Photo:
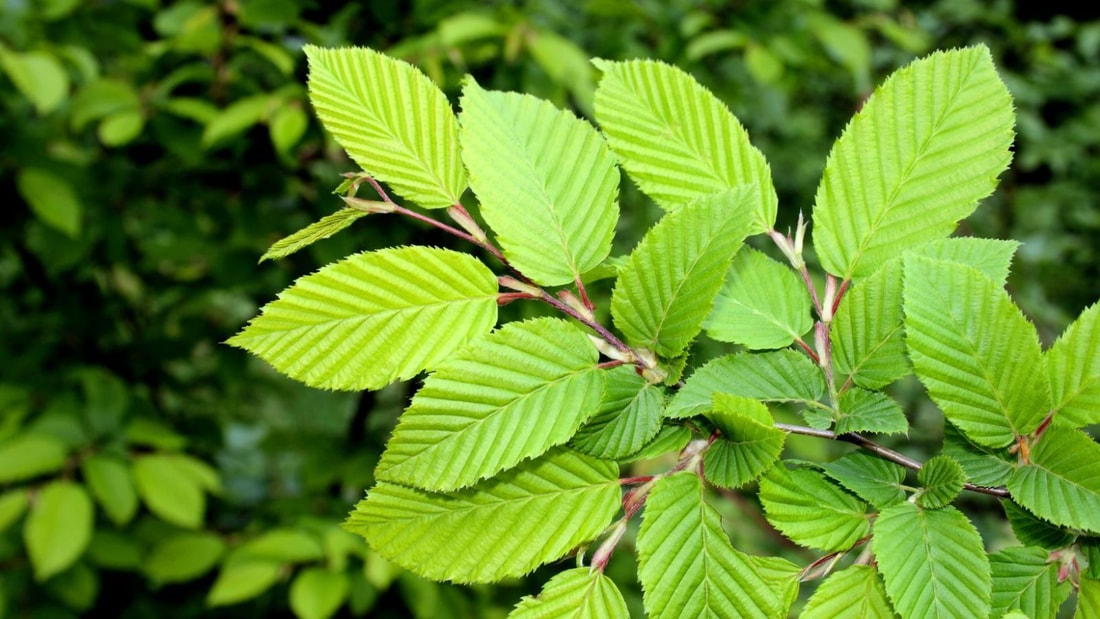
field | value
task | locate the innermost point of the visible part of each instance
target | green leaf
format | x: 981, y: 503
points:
x: 1061, y: 483
x: 992, y: 257
x: 170, y: 490
x: 749, y: 444
x: 12, y: 505
x: 917, y: 158
x: 113, y: 550
x: 782, y: 576
x: 982, y: 466
x: 932, y: 561
x: 780, y: 376
x: 239, y: 581
x: 183, y: 556
x: 1073, y: 364
x: 121, y: 128
x: 977, y: 355
x: 668, y: 285
x: 111, y: 484
x: 102, y: 98
x: 762, y: 304
x: 58, y: 527
x: 237, y: 118
x: 392, y: 120
x: 322, y: 229
x: 374, y: 318
x: 1032, y: 531
x: 686, y: 564
x: 860, y: 410
x: 579, y: 593
x: 484, y: 533
x: 877, y: 481
x: 943, y: 479
x: 284, y: 546
x: 77, y: 587
x: 38, y: 75
x: 547, y: 182
x: 52, y: 199
x: 669, y: 440
x: 1088, y: 599
x: 867, y: 330
x: 1026, y: 579
x: 507, y: 397
x: 677, y: 140
x: 29, y: 455
x: 628, y: 418
x: 287, y: 125
x: 318, y: 593
x: 811, y: 510
x: 855, y: 592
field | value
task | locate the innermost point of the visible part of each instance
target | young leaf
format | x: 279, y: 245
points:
x: 58, y: 528
x: 867, y: 330
x: 317, y: 593
x: 391, y: 119
x: 1025, y: 579
x: 762, y: 304
x: 507, y: 397
x: 1033, y: 531
x: 749, y: 444
x: 579, y: 593
x: 374, y: 317
x: 932, y: 561
x: 322, y: 229
x: 869, y: 411
x: 686, y: 564
x: 875, y: 480
x: 546, y: 181
x: 992, y: 257
x: 943, y: 480
x: 855, y: 593
x: 676, y: 139
x: 917, y: 158
x: 1073, y: 364
x: 668, y: 285
x: 982, y: 466
x: 484, y: 533
x: 112, y: 485
x: 974, y: 351
x: 1061, y: 483
x: 782, y: 576
x: 811, y: 510
x: 629, y: 416
x: 780, y: 376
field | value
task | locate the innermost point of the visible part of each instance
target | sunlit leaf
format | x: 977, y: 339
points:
x: 579, y: 593
x: 1061, y: 483
x: 780, y: 376
x: 762, y: 304
x: 321, y: 229
x: 811, y: 510
x: 1026, y: 579
x: 58, y: 528
x: 852, y: 593
x: 629, y: 416
x: 1073, y: 364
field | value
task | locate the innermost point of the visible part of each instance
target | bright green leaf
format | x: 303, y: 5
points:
x: 170, y: 490
x: 877, y: 481
x: 943, y: 479
x: 852, y: 593
x: 782, y: 576
x: 239, y: 581
x: 182, y: 557
x: 762, y: 304
x: 286, y: 126
x: 321, y: 229
x: 318, y: 593
x: 982, y: 466
x: 920, y: 154
x: 1061, y: 483
x: 992, y: 257
x: 668, y: 285
x: 933, y: 562
x: 392, y: 120
x: 484, y: 533
x: 111, y: 484
x: 579, y: 593
x: 29, y: 455
x: 375, y: 317
x: 1031, y: 530
x: 1088, y: 599
x: 811, y: 510
x: 860, y: 410
x: 629, y: 416
x: 1025, y: 579
x: 58, y: 527
x: 780, y: 376
x: 121, y: 128
x: 867, y: 330
x: 237, y: 118
x: 749, y: 444
x: 670, y: 439
x: 38, y: 75
x: 12, y: 505
x: 1073, y: 364
x: 52, y: 199
x: 284, y: 546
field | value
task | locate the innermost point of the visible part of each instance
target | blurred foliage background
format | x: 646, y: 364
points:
x: 151, y: 150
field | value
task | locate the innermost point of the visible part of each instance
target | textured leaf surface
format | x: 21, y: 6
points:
x: 391, y: 119
x: 992, y: 257
x: 58, y: 528
x: 855, y: 593
x: 669, y: 439
x: 578, y: 593
x: 780, y: 376
x: 507, y: 397
x: 1088, y: 599
x: 870, y: 411
x: 321, y: 229
x: 676, y: 139
x: 920, y: 154
x: 629, y: 416
x: 982, y: 466
x: 1031, y: 530
x: 1073, y: 364
x: 668, y: 285
x: 762, y: 304
x: 932, y: 562
x: 374, y: 318
x: 484, y: 533
x: 749, y: 445
x: 1024, y: 579
x: 546, y: 181
x: 974, y: 351
x: 1062, y: 482
x: 811, y: 510
x: 686, y: 564
x: 942, y: 479
x: 782, y: 576
x: 875, y: 480
x: 867, y: 330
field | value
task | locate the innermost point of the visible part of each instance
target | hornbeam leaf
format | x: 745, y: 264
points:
x: 749, y: 445
x: 1073, y: 364
x: 853, y: 593
x: 507, y: 397
x: 782, y: 576
x: 933, y: 562
x: 982, y: 465
x: 869, y: 411
x: 811, y: 510
x: 992, y: 257
x: 58, y: 528
x: 375, y: 317
x: 1061, y: 483
x: 321, y: 229
x: 686, y: 564
x: 670, y: 439
x: 488, y: 532
x: 943, y: 479
x: 1031, y: 530
x: 546, y: 181
x: 974, y: 351
x: 867, y: 330
x: 579, y: 593
x: 629, y: 416
x: 917, y: 158
x: 875, y: 480
x: 762, y: 304
x: 1026, y: 579
x: 676, y: 139
x: 391, y: 119
x: 668, y: 285
x: 780, y: 376
x: 1088, y: 599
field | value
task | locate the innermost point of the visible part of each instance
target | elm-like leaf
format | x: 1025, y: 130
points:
x: 1061, y: 483
x: 762, y: 304
x: 1073, y: 364
x: 1031, y: 530
x: 749, y: 445
x: 779, y: 376
x: 877, y: 481
x: 628, y: 418
x: 853, y: 593
x: 319, y: 230
x: 942, y: 479
x: 1026, y: 579
x: 579, y: 593
x: 811, y: 510
x: 860, y: 410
